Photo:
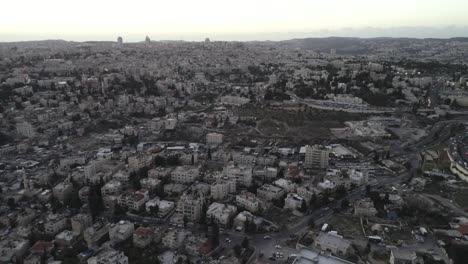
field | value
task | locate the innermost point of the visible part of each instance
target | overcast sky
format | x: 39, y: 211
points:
x: 243, y: 19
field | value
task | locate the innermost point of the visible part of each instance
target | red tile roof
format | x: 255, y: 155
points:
x: 463, y: 229
x: 144, y: 231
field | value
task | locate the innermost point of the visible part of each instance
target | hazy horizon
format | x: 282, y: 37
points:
x: 368, y: 32
x: 241, y: 20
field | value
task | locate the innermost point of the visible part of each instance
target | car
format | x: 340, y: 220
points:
x: 229, y: 241
x: 272, y: 258
x: 278, y: 246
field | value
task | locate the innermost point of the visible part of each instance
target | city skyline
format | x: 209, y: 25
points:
x: 259, y: 20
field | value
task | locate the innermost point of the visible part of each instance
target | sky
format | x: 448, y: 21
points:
x: 228, y: 20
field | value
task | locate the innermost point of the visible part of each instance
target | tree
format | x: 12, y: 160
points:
x: 325, y: 197
x: 245, y: 243
x: 340, y: 191
x: 209, y: 154
x: 154, y: 210
x: 368, y: 190
x: 72, y: 200
x: 303, y: 206
x: 96, y: 204
x: 11, y: 203
x: 313, y: 200
x: 253, y: 187
x: 185, y: 220
x: 215, y: 234
x: 387, y: 198
x: 159, y: 161
x: 135, y: 181
x: 376, y: 156
x: 173, y: 160
x: 237, y: 250
x: 250, y: 227
x: 311, y: 223
x: 344, y: 203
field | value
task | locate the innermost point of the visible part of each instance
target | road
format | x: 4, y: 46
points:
x: 319, y: 216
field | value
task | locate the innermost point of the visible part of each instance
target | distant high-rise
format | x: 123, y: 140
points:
x: 333, y: 52
x: 207, y: 40
x: 316, y: 157
x: 147, y: 41
x: 120, y: 42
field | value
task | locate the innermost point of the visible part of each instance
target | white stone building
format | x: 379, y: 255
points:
x: 121, y: 231
x: 242, y: 174
x: 248, y: 201
x: 222, y: 187
x: 221, y: 213
x: 293, y: 201
x: 214, y: 138
x: 270, y: 192
x: 185, y: 174
x: 316, y: 157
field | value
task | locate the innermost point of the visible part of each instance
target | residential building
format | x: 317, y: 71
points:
x: 293, y: 201
x: 185, y: 174
x: 248, y: 201
x: 170, y: 123
x: 214, y: 138
x: 133, y: 200
x: 190, y: 205
x: 121, y: 176
x: 80, y: 222
x: 333, y: 243
x: 221, y: 213
x: 121, y: 231
x: 174, y: 238
x: 242, y: 174
x: 222, y: 187
x: 316, y: 157
x: 364, y: 207
x: 270, y: 192
x: 54, y: 223
x: 25, y: 129
x: 96, y: 234
x: 13, y: 250
x: 306, y: 192
x: 83, y: 194
x: 403, y: 256
x: 111, y: 188
x: 109, y: 257
x: 164, y: 207
x: 287, y: 185
x: 66, y: 239
x: 62, y: 190
x: 243, y: 159
x: 150, y: 183
x: 143, y: 236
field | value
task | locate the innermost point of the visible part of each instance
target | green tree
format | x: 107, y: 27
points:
x: 135, y: 181
x: 237, y: 250
x: 344, y: 203
x: 159, y: 161
x: 245, y: 243
x: 96, y: 204
x: 154, y: 210
x: 11, y: 203
x: 303, y: 206
x: 215, y: 234
x: 72, y: 200
x: 209, y: 154
x: 185, y: 220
